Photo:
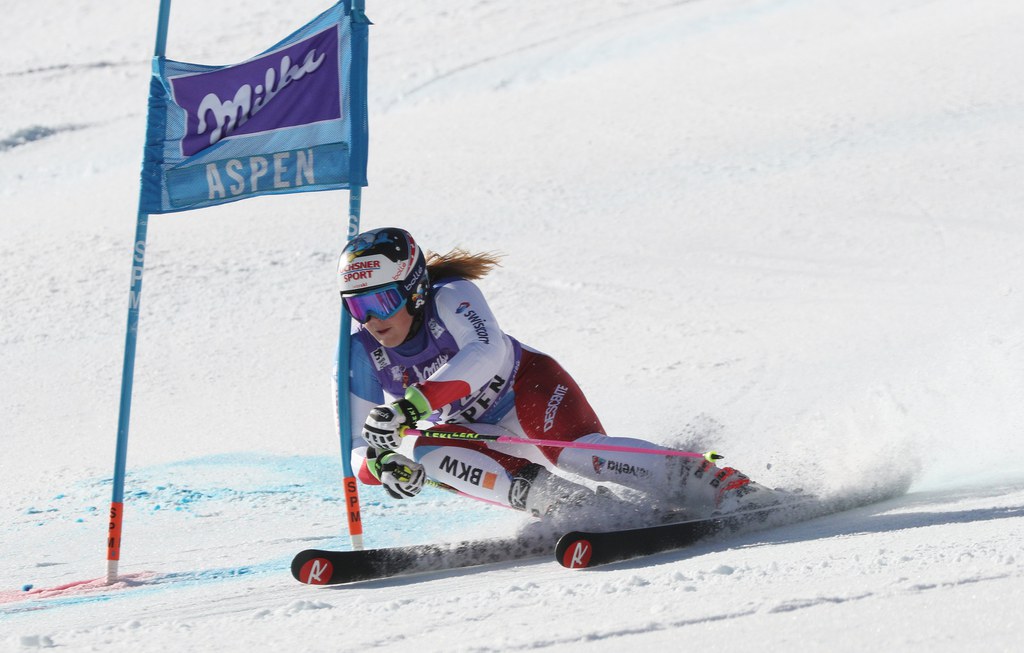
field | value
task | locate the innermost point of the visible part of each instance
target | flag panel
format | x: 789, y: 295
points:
x: 291, y: 119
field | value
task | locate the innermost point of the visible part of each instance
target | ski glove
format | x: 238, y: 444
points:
x: 382, y: 429
x: 400, y: 476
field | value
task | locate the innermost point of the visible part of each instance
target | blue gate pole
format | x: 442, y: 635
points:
x: 341, y: 365
x: 341, y: 384
x: 131, y: 337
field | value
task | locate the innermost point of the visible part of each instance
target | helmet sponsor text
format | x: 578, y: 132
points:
x: 358, y: 270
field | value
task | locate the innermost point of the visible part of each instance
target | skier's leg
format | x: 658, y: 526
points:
x: 483, y: 473
x: 550, y: 405
x: 689, y: 483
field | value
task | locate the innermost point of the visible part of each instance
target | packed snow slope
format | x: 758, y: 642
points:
x: 786, y: 229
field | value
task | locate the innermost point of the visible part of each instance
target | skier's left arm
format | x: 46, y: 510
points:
x: 483, y: 352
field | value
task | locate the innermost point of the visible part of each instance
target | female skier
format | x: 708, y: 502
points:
x: 429, y: 348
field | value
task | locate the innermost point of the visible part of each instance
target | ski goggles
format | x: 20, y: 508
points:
x: 380, y: 303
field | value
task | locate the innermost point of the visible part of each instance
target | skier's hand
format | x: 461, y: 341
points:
x: 400, y: 476
x: 381, y: 429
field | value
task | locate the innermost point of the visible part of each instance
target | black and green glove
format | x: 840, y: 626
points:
x: 400, y: 476
x: 383, y: 426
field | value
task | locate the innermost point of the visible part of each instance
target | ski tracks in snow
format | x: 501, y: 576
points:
x: 61, y: 118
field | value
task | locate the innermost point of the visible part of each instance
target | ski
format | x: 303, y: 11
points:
x: 577, y: 549
x: 320, y: 567
x: 580, y: 549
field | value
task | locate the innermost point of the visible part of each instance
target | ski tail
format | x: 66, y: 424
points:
x: 322, y: 567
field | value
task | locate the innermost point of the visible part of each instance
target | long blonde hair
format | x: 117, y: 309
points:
x: 460, y: 263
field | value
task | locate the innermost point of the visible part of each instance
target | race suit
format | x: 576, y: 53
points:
x: 478, y: 378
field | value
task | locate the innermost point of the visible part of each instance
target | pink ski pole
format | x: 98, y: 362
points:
x: 508, y: 439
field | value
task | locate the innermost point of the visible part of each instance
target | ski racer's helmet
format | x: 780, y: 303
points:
x: 381, y: 271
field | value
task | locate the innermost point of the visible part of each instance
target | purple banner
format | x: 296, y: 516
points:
x: 296, y: 85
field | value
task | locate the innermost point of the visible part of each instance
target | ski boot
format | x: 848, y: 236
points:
x: 561, y: 503
x: 702, y: 488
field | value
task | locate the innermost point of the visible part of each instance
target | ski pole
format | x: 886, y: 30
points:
x: 448, y: 488
x: 710, y: 456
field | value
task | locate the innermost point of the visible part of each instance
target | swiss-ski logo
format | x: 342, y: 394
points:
x: 316, y: 572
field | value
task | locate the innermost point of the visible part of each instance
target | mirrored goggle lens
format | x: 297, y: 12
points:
x: 381, y: 303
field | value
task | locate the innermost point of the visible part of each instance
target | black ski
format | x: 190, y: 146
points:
x: 574, y: 550
x: 318, y: 567
x: 580, y: 549
x: 591, y: 548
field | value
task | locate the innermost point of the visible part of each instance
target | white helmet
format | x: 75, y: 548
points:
x: 380, y: 271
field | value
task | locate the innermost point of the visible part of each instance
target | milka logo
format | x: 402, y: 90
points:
x: 422, y: 373
x: 228, y: 115
x: 295, y: 85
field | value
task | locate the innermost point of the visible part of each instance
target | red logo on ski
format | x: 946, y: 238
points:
x: 316, y: 572
x: 577, y: 555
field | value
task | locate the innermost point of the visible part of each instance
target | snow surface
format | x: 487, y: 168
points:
x: 791, y: 229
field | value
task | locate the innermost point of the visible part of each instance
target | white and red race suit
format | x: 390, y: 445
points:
x: 478, y: 378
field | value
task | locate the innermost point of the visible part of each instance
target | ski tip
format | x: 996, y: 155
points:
x: 574, y: 551
x: 313, y: 570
